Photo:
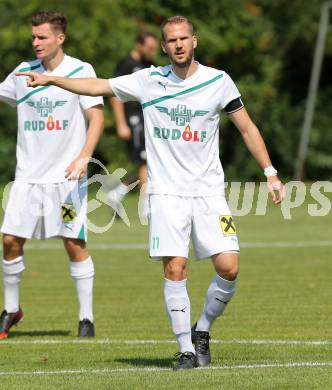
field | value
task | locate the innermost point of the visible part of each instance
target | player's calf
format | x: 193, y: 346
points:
x: 82, y: 273
x: 177, y: 305
x: 219, y: 294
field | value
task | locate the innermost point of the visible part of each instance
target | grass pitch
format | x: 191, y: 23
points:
x: 275, y: 334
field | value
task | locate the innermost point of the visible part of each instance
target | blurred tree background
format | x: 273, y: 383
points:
x: 266, y: 46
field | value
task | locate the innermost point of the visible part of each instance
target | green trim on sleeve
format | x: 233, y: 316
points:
x: 195, y: 88
x: 45, y: 86
x: 29, y: 68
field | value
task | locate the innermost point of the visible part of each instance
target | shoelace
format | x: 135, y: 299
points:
x: 183, y: 355
x: 203, y: 344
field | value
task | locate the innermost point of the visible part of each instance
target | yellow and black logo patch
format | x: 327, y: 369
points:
x: 68, y: 212
x: 227, y: 225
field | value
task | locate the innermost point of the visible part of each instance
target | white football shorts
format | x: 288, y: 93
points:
x: 46, y: 210
x: 207, y: 220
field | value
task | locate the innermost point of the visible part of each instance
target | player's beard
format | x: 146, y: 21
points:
x: 187, y: 62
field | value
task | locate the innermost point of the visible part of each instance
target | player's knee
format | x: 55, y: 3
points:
x: 12, y: 244
x: 175, y: 271
x: 73, y: 243
x: 76, y: 249
x: 230, y: 273
x: 227, y: 266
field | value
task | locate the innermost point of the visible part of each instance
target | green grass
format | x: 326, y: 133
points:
x: 283, y: 294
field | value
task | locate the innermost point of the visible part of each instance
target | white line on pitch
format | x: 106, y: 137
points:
x: 286, y: 244
x: 142, y: 246
x: 157, y: 342
x: 156, y: 369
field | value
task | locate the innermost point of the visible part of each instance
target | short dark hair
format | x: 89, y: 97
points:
x: 142, y: 35
x: 175, y: 20
x: 56, y: 19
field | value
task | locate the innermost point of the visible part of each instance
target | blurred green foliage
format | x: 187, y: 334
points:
x: 266, y: 46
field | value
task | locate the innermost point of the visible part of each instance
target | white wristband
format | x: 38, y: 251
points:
x: 270, y: 171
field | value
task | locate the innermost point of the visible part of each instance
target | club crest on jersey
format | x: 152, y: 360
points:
x: 181, y: 114
x: 44, y: 108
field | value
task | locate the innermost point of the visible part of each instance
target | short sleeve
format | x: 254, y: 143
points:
x: 228, y: 91
x: 130, y: 87
x: 8, y: 90
x: 89, y: 101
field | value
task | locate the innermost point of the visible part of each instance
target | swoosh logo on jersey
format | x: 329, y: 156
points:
x: 162, y: 84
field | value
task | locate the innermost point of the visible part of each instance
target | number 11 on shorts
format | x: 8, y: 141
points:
x: 155, y: 242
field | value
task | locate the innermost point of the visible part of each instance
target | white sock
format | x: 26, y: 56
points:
x: 178, y: 309
x: 185, y: 343
x: 83, y: 273
x: 219, y: 294
x: 12, y: 271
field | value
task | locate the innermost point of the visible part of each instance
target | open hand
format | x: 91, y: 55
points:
x: 77, y: 169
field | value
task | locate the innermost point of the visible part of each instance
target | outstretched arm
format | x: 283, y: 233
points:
x: 80, y: 86
x: 255, y: 144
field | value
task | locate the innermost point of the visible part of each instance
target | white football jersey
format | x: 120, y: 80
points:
x: 181, y: 120
x: 51, y: 121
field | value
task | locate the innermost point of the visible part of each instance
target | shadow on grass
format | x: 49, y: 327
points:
x: 146, y: 362
x: 34, y: 333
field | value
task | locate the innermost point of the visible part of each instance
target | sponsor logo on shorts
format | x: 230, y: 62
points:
x: 45, y: 108
x: 68, y: 212
x: 227, y: 225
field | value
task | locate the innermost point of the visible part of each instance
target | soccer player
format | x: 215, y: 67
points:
x: 129, y: 116
x: 48, y: 197
x: 182, y: 103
